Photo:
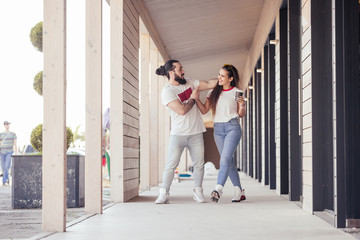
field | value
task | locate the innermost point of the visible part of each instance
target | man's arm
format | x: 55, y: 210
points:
x: 205, y: 85
x: 180, y: 108
x: 183, y: 108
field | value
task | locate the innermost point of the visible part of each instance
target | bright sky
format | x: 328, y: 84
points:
x: 20, y: 62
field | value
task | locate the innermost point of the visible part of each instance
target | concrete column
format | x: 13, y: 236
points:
x: 144, y: 108
x: 93, y: 104
x: 54, y: 128
x: 153, y: 115
x: 116, y: 101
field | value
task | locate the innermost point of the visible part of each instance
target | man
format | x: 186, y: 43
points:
x: 7, y: 145
x: 187, y: 127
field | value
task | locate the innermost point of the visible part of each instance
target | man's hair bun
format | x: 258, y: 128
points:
x: 161, y: 71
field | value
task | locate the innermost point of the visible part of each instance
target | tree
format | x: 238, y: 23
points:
x: 36, y: 36
x: 38, y: 83
x: 36, y: 137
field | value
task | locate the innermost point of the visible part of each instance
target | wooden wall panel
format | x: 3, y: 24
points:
x: 131, y: 100
x: 306, y: 106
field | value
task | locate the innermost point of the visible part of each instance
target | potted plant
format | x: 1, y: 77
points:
x: 27, y: 175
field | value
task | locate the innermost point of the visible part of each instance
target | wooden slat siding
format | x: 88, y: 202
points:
x: 128, y: 120
x: 133, y: 14
x: 131, y: 163
x: 306, y: 107
x: 131, y: 30
x: 133, y: 81
x: 131, y: 142
x: 307, y: 93
x: 131, y: 101
x: 130, y: 38
x: 130, y: 67
x: 131, y: 184
x: 129, y: 54
x: 131, y: 58
x: 130, y: 131
x: 277, y: 103
x: 133, y: 41
x: 307, y: 122
x: 131, y: 152
x: 133, y: 112
x: 129, y: 26
x: 130, y: 174
x: 306, y: 81
x: 133, y: 91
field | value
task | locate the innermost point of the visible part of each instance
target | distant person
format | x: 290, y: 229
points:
x: 8, y: 144
x: 187, y: 126
x: 226, y: 108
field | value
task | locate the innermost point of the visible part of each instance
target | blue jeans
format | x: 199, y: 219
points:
x: 5, y: 164
x: 227, y: 136
x: 177, y: 143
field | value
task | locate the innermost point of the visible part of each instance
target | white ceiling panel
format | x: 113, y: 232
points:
x: 193, y: 29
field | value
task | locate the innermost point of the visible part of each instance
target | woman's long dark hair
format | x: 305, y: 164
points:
x: 164, y: 70
x: 215, y: 94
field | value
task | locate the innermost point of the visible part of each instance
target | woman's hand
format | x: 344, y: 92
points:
x: 241, y: 106
x: 241, y: 100
x: 195, y: 94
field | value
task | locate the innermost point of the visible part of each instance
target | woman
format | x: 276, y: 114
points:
x: 226, y: 109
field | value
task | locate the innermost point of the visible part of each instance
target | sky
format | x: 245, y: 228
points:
x: 20, y: 62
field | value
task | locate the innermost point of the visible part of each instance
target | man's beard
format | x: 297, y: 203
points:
x: 180, y: 80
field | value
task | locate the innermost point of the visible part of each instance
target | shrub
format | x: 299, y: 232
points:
x: 38, y: 83
x: 36, y: 137
x: 36, y: 36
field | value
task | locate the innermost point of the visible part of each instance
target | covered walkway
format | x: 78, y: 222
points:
x: 264, y: 215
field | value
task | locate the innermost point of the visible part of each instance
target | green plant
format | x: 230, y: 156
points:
x: 36, y: 36
x: 38, y: 83
x: 78, y: 136
x: 36, y: 137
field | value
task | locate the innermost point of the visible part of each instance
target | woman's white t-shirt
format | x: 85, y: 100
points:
x: 190, y: 123
x: 226, y: 107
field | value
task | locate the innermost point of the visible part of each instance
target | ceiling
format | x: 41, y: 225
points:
x: 205, y: 34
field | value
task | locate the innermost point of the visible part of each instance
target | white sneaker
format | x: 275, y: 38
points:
x: 239, y: 195
x: 215, y: 195
x: 163, y: 197
x: 198, y: 195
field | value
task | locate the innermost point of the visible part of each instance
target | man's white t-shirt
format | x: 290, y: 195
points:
x: 190, y: 123
x: 226, y: 107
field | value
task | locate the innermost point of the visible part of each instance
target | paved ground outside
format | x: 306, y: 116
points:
x: 25, y: 223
